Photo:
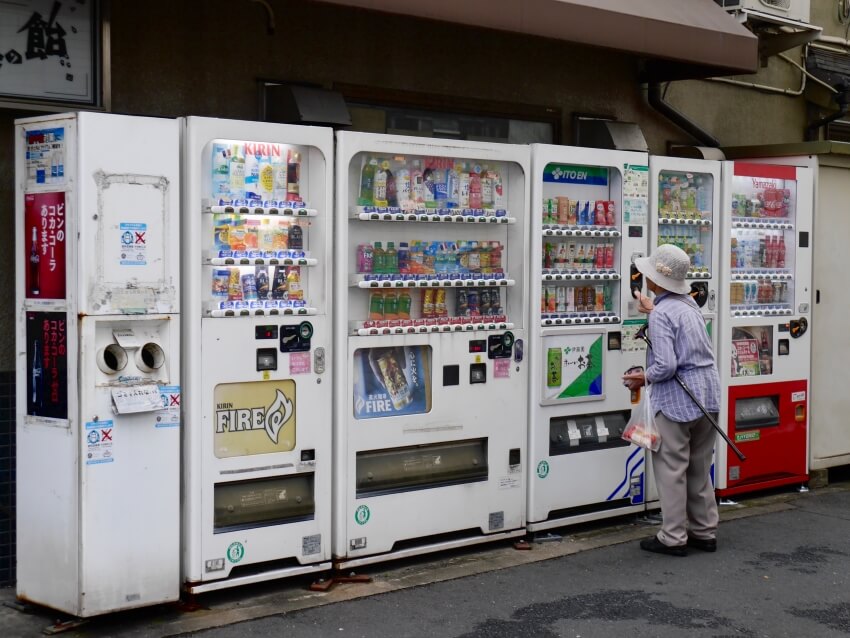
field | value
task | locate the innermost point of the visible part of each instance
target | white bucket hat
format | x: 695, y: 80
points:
x: 667, y: 267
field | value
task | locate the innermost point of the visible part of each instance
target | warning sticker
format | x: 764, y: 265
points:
x: 169, y: 416
x: 502, y: 368
x: 99, y: 442
x: 133, y: 244
x: 299, y: 363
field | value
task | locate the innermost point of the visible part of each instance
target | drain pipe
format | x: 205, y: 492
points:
x: 656, y: 101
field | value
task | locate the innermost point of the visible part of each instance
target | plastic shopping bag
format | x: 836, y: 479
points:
x: 641, y: 429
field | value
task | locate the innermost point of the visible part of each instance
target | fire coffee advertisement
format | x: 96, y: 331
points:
x: 392, y: 381
x: 47, y: 365
x: 572, y: 368
x: 44, y: 245
x: 257, y: 417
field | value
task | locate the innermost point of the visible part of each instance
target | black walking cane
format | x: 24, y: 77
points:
x: 641, y: 334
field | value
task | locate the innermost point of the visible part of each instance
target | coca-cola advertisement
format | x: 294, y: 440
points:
x: 47, y: 365
x: 44, y: 245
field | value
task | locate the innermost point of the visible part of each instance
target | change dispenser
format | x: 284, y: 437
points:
x: 98, y: 372
x: 257, y: 336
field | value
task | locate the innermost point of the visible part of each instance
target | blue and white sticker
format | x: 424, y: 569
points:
x: 169, y: 416
x: 99, y: 440
x: 134, y: 247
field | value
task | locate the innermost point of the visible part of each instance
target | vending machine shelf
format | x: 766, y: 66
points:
x: 366, y: 281
x: 259, y: 261
x: 434, y: 215
x: 569, y: 275
x: 768, y: 224
x: 266, y: 309
x: 468, y: 324
x: 684, y: 221
x: 281, y: 210
x: 755, y: 275
x: 698, y: 274
x: 580, y: 231
x: 575, y: 318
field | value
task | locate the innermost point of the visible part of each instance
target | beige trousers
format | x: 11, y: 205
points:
x: 681, y: 467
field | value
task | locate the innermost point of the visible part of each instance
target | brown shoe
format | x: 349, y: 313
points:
x: 703, y: 544
x: 654, y: 545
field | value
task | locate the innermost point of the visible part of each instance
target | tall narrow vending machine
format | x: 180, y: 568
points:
x: 98, y: 363
x: 589, y: 221
x: 685, y: 211
x: 257, y: 346
x: 430, y: 427
x: 765, y: 311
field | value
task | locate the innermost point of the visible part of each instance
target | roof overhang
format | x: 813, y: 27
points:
x: 678, y: 38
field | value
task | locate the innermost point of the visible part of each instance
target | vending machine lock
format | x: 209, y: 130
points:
x: 296, y: 338
x: 319, y: 360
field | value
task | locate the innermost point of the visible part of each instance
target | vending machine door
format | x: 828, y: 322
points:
x: 769, y: 422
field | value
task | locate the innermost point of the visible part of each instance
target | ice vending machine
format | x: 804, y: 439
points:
x: 98, y: 370
x: 764, y: 342
x: 685, y: 211
x: 257, y: 280
x: 430, y: 427
x: 589, y: 223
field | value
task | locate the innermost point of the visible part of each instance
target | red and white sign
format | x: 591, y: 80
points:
x: 44, y: 245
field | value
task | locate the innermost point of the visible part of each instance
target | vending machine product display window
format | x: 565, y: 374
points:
x: 686, y: 216
x: 256, y: 262
x: 431, y: 269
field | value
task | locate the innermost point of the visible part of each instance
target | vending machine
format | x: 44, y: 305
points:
x: 430, y: 414
x: 257, y: 345
x: 590, y: 222
x: 98, y: 361
x: 765, y: 309
x: 685, y: 211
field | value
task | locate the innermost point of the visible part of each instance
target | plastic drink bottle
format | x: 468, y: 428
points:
x: 417, y: 185
x: 380, y: 188
x: 392, y: 193
x: 367, y: 183
x: 237, y: 173
x: 293, y: 284
x: 475, y: 190
x: 379, y: 260
x: 391, y: 259
x: 293, y: 176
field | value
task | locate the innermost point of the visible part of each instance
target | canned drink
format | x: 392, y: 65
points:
x: 484, y: 300
x: 249, y: 287
x: 609, y: 256
x: 589, y: 299
x: 571, y: 219
x: 495, y: 302
x: 428, y: 302
x: 440, y: 308
x: 599, y: 213
x: 473, y: 301
x: 553, y: 368
x: 610, y: 213
x: 579, y: 298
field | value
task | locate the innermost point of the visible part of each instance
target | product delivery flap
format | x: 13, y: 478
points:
x: 136, y: 398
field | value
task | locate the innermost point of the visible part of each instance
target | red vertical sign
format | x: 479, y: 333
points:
x: 44, y: 245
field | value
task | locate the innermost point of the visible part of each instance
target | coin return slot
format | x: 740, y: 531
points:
x: 266, y: 359
x: 477, y: 373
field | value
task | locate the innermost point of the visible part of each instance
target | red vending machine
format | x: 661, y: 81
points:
x: 764, y: 344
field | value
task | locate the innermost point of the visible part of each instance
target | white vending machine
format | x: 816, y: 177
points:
x: 98, y: 364
x: 589, y: 222
x: 764, y: 342
x: 685, y: 211
x: 257, y: 344
x: 430, y: 427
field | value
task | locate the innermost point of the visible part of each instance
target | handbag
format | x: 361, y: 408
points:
x: 641, y: 428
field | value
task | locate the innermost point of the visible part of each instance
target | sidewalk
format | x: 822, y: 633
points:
x: 783, y: 568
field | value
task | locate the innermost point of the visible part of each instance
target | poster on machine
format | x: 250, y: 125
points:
x: 47, y: 365
x: 392, y: 381
x: 257, y: 417
x: 752, y: 351
x: 44, y: 245
x: 572, y: 367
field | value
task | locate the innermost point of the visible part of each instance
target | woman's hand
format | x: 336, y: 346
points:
x: 634, y: 380
x: 645, y: 304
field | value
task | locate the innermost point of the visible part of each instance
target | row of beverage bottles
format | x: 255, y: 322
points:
x: 561, y: 299
x: 578, y: 256
x: 246, y: 173
x: 763, y: 291
x: 684, y: 195
x: 563, y: 211
x: 770, y: 202
x: 758, y: 249
x: 430, y: 182
x: 235, y: 232
x: 430, y: 258
x: 691, y: 240
x: 469, y: 302
x: 257, y: 283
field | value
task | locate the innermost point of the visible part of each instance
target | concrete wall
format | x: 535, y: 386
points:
x: 178, y: 57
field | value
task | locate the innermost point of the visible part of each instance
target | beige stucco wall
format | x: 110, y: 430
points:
x: 180, y: 57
